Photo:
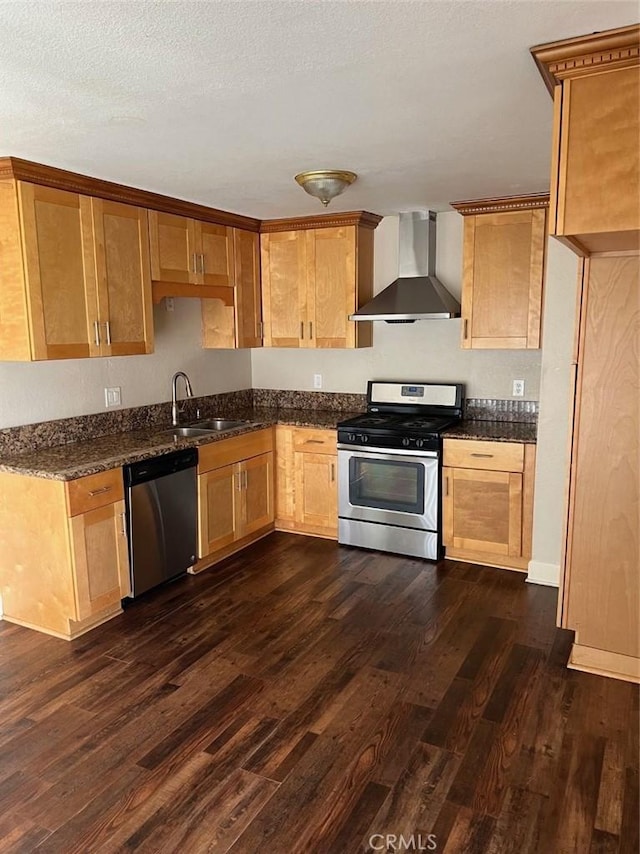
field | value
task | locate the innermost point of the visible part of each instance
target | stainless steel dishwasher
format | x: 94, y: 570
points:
x: 161, y: 502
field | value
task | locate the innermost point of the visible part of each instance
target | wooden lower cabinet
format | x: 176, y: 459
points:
x: 64, y: 565
x: 306, y: 481
x: 235, y: 494
x: 487, y: 502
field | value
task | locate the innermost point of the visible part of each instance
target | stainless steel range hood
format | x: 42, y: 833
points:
x: 416, y: 294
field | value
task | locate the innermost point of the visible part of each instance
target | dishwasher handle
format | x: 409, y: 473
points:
x: 165, y: 464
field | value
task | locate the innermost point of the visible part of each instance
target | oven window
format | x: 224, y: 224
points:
x: 387, y: 485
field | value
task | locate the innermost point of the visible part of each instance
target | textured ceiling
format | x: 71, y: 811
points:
x: 224, y: 102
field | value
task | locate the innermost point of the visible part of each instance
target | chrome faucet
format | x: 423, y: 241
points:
x: 174, y: 395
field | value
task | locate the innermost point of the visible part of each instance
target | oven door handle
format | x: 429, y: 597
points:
x: 386, y: 453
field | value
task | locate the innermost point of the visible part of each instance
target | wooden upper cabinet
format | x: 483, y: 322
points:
x: 233, y: 319
x: 173, y: 248
x: 190, y: 251
x: 74, y: 275
x: 315, y: 273
x: 59, y: 272
x: 123, y: 278
x: 284, y: 288
x: 595, y: 179
x: 503, y: 272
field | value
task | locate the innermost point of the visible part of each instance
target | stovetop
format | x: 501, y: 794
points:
x: 387, y: 430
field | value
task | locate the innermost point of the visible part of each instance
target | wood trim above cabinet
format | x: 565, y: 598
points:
x: 364, y: 219
x: 507, y: 203
x: 575, y: 57
x: 50, y: 176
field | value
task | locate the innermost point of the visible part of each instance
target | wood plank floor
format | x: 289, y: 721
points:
x: 303, y: 697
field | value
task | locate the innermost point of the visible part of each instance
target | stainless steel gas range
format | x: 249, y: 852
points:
x: 389, y: 466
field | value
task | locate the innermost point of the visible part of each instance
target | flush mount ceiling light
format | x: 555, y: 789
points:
x: 325, y: 184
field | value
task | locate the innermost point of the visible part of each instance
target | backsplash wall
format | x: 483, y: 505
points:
x: 42, y: 391
x: 425, y: 350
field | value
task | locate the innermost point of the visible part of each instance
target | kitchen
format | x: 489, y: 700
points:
x: 427, y: 351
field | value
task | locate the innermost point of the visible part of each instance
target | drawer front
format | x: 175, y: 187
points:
x: 312, y: 441
x: 478, y: 454
x: 234, y: 450
x: 96, y: 490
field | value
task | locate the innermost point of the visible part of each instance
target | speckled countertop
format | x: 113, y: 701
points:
x: 77, y: 459
x: 495, y: 431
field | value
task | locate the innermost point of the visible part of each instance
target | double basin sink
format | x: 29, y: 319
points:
x: 206, y: 428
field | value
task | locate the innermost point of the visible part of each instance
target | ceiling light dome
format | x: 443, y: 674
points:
x: 325, y: 184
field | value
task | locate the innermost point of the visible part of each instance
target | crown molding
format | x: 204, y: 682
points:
x: 507, y: 203
x: 362, y: 218
x: 582, y: 55
x: 49, y: 176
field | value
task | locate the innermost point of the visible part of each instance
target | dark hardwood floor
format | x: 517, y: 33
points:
x: 303, y: 697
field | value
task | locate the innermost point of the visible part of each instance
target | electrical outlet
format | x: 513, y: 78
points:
x: 168, y: 304
x: 112, y: 396
x: 518, y: 388
x: 317, y: 380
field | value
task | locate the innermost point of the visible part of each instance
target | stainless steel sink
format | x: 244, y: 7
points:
x: 187, y: 432
x: 219, y: 424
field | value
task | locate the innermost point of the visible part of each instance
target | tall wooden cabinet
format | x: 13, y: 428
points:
x: 316, y: 271
x: 74, y: 275
x: 503, y: 271
x: 596, y: 165
x: 64, y: 565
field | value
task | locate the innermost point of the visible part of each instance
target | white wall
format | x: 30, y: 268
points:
x: 555, y: 413
x: 425, y: 350
x: 41, y: 391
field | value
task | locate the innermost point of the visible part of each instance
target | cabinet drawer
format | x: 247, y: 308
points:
x: 234, y: 450
x: 478, y: 454
x: 96, y: 490
x: 311, y: 441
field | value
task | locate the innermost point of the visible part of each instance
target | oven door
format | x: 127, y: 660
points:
x: 389, y: 488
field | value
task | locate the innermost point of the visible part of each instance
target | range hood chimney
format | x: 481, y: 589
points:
x: 416, y: 294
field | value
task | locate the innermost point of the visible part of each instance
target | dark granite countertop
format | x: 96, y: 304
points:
x: 494, y: 431
x: 78, y: 459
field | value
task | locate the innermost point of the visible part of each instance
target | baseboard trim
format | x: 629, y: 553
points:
x: 604, y: 663
x: 547, y: 574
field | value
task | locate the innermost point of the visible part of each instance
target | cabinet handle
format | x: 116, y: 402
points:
x: 107, y: 326
x: 194, y: 262
x: 124, y: 524
x: 261, y: 329
x: 483, y: 456
x: 96, y: 332
x: 446, y: 486
x: 314, y: 442
x: 302, y: 330
x: 333, y: 472
x: 202, y: 263
x: 465, y: 331
x: 310, y: 329
x: 245, y: 479
x: 238, y: 475
x: 93, y: 492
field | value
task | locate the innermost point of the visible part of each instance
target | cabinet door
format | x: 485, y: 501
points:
x: 100, y: 559
x: 218, y: 509
x: 482, y: 511
x: 316, y: 493
x: 123, y: 274
x: 285, y: 474
x: 214, y: 245
x: 60, y: 274
x: 172, y: 241
x: 284, y: 289
x: 502, y: 279
x: 257, y: 493
x: 331, y: 297
x: 597, y: 169
x: 246, y: 247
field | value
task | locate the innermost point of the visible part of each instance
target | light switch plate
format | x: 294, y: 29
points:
x: 317, y: 380
x: 518, y: 388
x: 168, y: 304
x: 112, y: 396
